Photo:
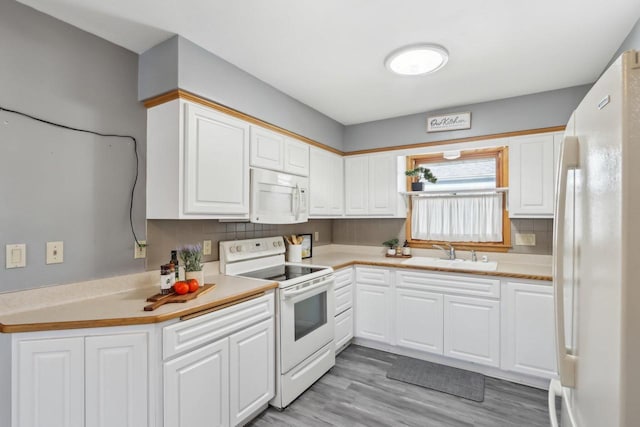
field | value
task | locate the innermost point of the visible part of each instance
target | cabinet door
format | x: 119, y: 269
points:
x: 50, y: 383
x: 296, y: 157
x: 472, y: 329
x: 419, y: 320
x: 336, y: 185
x: 531, y: 176
x: 356, y: 171
x: 267, y: 149
x: 116, y: 380
x: 382, y: 185
x: 216, y: 163
x: 319, y: 182
x: 344, y: 329
x: 373, y: 312
x: 326, y: 183
x: 252, y: 369
x: 528, y: 340
x: 196, y: 387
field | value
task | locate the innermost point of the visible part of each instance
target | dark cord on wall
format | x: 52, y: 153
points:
x: 135, y: 151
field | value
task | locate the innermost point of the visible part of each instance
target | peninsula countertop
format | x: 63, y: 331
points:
x: 120, y: 301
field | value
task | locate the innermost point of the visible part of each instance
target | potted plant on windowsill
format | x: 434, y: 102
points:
x: 191, y: 256
x: 418, y: 175
x: 391, y: 245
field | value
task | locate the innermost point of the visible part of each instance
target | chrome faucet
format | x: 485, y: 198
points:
x: 450, y: 251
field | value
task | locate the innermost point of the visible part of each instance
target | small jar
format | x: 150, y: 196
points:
x: 166, y: 279
x: 406, y: 249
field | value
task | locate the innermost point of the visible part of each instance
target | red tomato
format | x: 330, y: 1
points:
x: 193, y: 285
x: 181, y: 288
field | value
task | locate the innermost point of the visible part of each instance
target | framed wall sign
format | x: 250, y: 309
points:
x: 307, y: 245
x: 453, y: 121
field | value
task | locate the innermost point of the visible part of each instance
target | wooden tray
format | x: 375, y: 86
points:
x: 160, y: 299
x: 397, y: 256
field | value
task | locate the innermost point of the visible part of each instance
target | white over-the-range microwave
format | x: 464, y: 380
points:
x: 278, y: 198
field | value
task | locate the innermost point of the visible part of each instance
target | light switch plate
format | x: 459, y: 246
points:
x: 206, y: 247
x: 16, y: 255
x: 316, y: 236
x: 525, y: 239
x: 55, y: 252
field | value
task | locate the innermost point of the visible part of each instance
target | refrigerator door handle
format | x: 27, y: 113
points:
x: 568, y: 160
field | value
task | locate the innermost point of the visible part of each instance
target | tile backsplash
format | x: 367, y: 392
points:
x: 166, y: 235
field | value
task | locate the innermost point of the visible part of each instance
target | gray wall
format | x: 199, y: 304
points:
x: 632, y: 41
x: 62, y: 185
x: 211, y: 77
x: 538, y: 110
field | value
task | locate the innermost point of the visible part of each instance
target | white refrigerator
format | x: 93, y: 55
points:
x: 597, y: 255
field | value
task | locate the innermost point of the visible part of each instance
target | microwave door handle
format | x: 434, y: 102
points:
x: 297, y: 196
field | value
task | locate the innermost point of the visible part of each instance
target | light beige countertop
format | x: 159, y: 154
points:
x: 75, y: 306
x: 119, y: 301
x: 531, y: 267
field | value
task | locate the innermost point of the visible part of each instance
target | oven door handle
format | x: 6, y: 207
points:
x: 293, y: 292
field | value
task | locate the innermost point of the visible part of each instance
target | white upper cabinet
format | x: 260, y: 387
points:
x: 371, y: 185
x: 326, y: 183
x: 273, y: 150
x: 267, y: 149
x: 532, y: 176
x: 197, y: 163
x: 296, y: 157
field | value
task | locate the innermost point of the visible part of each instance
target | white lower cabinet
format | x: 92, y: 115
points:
x: 343, y: 328
x: 419, y: 317
x: 116, y: 386
x: 49, y: 383
x: 472, y: 329
x: 81, y: 380
x: 219, y: 368
x: 528, y: 329
x: 343, y: 308
x: 196, y: 387
x: 373, y: 312
x: 252, y: 372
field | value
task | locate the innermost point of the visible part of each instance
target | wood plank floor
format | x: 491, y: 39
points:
x: 356, y: 392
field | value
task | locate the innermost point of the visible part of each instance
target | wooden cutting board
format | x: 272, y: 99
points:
x: 161, y: 299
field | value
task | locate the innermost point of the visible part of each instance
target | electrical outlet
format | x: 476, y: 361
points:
x: 55, y: 252
x: 316, y: 236
x: 140, y: 251
x: 16, y: 255
x: 525, y: 239
x: 206, y: 247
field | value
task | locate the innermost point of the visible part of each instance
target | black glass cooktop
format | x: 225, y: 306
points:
x: 282, y: 272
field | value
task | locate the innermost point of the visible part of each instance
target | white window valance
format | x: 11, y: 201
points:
x: 458, y: 218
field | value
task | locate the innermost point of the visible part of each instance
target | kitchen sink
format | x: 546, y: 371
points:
x: 457, y: 264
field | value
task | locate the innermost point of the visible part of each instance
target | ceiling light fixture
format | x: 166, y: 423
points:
x: 415, y: 60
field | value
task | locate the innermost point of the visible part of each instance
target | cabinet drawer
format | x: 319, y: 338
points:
x: 449, y: 284
x: 344, y: 328
x: 343, y: 277
x: 373, y: 276
x: 189, y: 334
x: 344, y: 298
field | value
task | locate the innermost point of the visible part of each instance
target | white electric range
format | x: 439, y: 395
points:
x: 305, y: 306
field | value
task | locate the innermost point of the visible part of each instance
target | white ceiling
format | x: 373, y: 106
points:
x: 329, y: 54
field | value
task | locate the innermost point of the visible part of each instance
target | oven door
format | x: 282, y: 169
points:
x: 306, y: 322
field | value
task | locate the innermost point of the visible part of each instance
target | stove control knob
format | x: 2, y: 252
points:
x: 239, y: 248
x: 232, y: 249
x: 275, y: 244
x: 279, y: 243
